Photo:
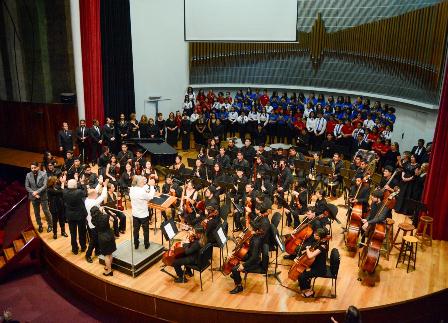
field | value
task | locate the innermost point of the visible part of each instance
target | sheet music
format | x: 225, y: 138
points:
x: 169, y: 231
x: 222, y: 236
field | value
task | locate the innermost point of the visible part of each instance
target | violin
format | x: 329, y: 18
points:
x: 240, y: 251
x: 117, y: 171
x: 138, y: 168
x: 210, y: 216
x: 119, y: 202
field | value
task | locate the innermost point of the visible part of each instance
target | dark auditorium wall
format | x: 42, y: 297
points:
x: 36, y: 50
x: 389, y: 47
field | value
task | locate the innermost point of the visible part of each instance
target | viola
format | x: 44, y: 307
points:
x: 210, y: 216
x: 138, y: 168
x: 240, y: 251
x: 117, y: 171
x: 119, y: 202
x: 200, y: 206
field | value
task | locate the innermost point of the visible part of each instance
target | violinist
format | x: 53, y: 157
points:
x: 247, y: 204
x: 103, y: 161
x: 179, y: 167
x: 125, y: 180
x: 111, y: 200
x: 336, y: 165
x: 113, y: 170
x: 88, y: 177
x: 210, y: 223
x: 192, y: 245
x: 76, y: 169
x: 51, y: 170
x: 199, y: 170
x: 210, y: 197
x: 172, y: 189
x: 257, y: 259
x: 124, y: 156
x: 150, y: 172
x: 319, y: 267
x: 297, y: 205
x: 68, y: 160
x: 373, y: 217
x: 189, y: 199
x: 139, y: 162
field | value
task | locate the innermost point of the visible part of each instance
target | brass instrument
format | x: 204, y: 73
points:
x: 332, y: 176
x: 312, y: 176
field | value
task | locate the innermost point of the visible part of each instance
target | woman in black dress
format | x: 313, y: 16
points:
x: 185, y: 129
x: 391, y: 157
x: 106, y: 238
x: 171, y: 130
x: 409, y: 164
x: 153, y: 129
x: 200, y: 129
x: 133, y: 126
x: 143, y: 127
x: 160, y: 123
x: 56, y: 204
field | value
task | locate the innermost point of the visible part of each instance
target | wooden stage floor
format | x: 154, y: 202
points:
x: 387, y: 286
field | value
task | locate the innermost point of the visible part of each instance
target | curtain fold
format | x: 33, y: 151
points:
x: 116, y: 45
x: 91, y: 59
x: 435, y: 195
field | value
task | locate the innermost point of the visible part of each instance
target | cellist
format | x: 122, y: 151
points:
x: 373, y: 217
x: 193, y: 245
x: 319, y: 267
x: 257, y: 259
x: 359, y: 193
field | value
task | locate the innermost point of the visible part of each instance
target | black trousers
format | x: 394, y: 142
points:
x: 75, y: 227
x: 84, y: 152
x: 305, y: 278
x: 119, y: 222
x: 58, y: 217
x: 144, y: 223
x: 95, y: 152
x: 239, y: 220
x: 186, y: 141
x: 236, y: 275
x: 179, y: 262
x: 93, y: 242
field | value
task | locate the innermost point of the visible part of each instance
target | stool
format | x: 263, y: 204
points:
x: 405, y: 227
x: 409, y: 244
x: 389, y: 236
x: 427, y: 222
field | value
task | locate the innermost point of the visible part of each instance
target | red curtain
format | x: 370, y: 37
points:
x: 436, y: 188
x: 91, y: 59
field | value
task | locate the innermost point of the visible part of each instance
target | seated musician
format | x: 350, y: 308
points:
x: 88, y: 177
x: 319, y: 267
x: 362, y: 170
x: 125, y: 181
x: 239, y: 180
x: 231, y: 150
x: 189, y: 214
x: 179, y: 167
x: 211, y: 222
x: 103, y: 160
x: 359, y: 193
x: 248, y: 151
x: 210, y: 197
x: 112, y: 170
x: 314, y: 177
x: 149, y: 171
x: 374, y: 217
x: 212, y: 149
x: 222, y: 158
x: 199, y: 169
x: 111, y: 200
x: 240, y: 162
x: 294, y: 156
x: 387, y: 174
x: 124, y: 157
x: 247, y: 203
x: 335, y: 178
x: 356, y: 162
x: 193, y: 245
x: 139, y: 163
x: 297, y: 205
x: 218, y: 176
x: 257, y: 259
x: 284, y: 179
x: 68, y: 160
x: 261, y: 151
x: 172, y: 189
x: 76, y: 168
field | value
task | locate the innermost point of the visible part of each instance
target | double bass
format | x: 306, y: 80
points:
x: 370, y: 254
x: 240, y: 251
x: 302, y: 263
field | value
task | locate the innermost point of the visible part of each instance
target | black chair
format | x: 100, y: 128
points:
x: 264, y: 266
x: 331, y: 271
x: 333, y: 209
x: 205, y: 261
x: 225, y: 229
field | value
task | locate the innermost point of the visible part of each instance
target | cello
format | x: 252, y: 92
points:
x: 302, y: 263
x: 176, y: 251
x: 370, y: 254
x: 240, y: 251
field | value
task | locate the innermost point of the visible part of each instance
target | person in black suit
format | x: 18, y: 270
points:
x: 420, y: 152
x: 82, y: 135
x: 359, y: 143
x: 65, y: 139
x: 109, y: 135
x: 97, y: 139
x: 75, y: 213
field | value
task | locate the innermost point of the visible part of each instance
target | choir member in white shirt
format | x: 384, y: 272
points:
x: 233, y: 117
x: 319, y: 131
x: 242, y: 121
x: 308, y: 109
x: 369, y: 123
x: 263, y: 118
x: 386, y: 134
x: 140, y: 194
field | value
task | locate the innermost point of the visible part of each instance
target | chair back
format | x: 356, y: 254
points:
x: 205, y: 256
x: 224, y: 212
x: 335, y: 261
x: 265, y: 257
x: 272, y: 234
x: 225, y: 228
x: 276, y: 218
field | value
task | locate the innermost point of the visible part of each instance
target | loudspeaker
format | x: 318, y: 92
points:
x: 68, y: 98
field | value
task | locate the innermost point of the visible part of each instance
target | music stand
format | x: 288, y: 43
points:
x: 227, y: 187
x: 169, y: 231
x: 302, y: 165
x: 279, y: 245
x: 284, y: 205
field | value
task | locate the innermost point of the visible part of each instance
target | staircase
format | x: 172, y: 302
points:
x: 11, y: 255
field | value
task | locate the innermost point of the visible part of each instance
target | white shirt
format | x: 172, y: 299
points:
x: 337, y: 130
x: 369, y: 123
x: 242, y: 119
x: 307, y: 112
x: 263, y: 119
x: 253, y: 116
x: 356, y: 131
x: 233, y: 116
x: 269, y: 108
x: 90, y: 203
x: 187, y: 105
x: 386, y: 134
x: 194, y: 117
x: 139, y: 200
x: 310, y: 124
x: 321, y: 126
x: 191, y: 96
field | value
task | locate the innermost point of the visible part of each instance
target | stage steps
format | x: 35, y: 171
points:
x: 2, y: 262
x: 9, y: 253
x: 18, y: 245
x: 28, y: 235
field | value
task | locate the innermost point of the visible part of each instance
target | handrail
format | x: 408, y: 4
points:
x: 4, y: 216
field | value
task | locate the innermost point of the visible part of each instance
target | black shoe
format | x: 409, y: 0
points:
x: 75, y: 252
x: 122, y: 231
x: 237, y: 289
x: 110, y: 273
x: 180, y: 280
x: 136, y: 246
x: 55, y: 236
x: 289, y: 257
x: 49, y: 229
x: 89, y: 259
x: 40, y: 229
x: 83, y: 249
x: 188, y: 272
x: 146, y: 246
x: 117, y: 235
x: 64, y: 234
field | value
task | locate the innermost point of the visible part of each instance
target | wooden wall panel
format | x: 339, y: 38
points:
x: 34, y: 126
